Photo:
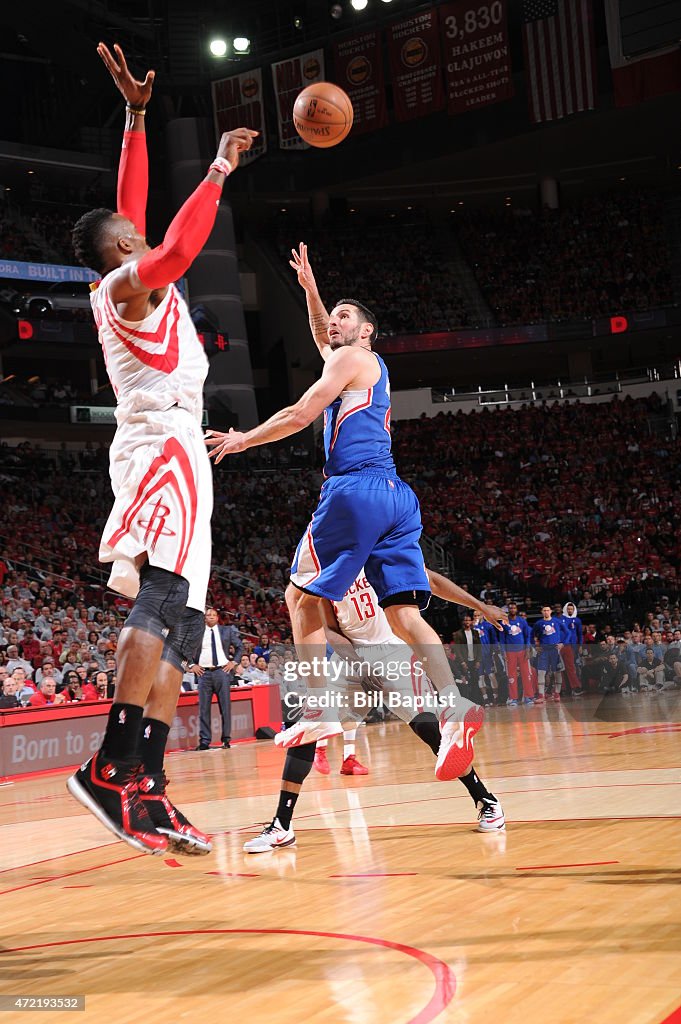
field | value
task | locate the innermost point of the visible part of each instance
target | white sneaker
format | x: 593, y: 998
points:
x: 490, y: 816
x: 307, y: 731
x: 455, y: 755
x: 273, y: 837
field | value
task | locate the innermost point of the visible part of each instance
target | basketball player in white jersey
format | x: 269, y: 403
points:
x: 358, y: 628
x: 158, y: 533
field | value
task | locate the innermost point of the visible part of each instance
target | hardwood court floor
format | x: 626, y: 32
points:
x: 392, y: 909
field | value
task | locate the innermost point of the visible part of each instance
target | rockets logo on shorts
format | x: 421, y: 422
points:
x: 155, y: 525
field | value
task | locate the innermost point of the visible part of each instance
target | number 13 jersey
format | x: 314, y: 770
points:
x: 361, y: 618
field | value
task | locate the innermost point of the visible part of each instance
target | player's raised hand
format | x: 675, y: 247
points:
x: 494, y: 615
x: 136, y: 94
x: 235, y: 142
x: 224, y: 444
x: 301, y: 265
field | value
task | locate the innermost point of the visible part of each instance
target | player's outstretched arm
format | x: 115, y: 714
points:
x: 334, y: 637
x: 188, y: 232
x: 133, y: 169
x: 452, y: 592
x: 316, y: 310
x: 340, y: 370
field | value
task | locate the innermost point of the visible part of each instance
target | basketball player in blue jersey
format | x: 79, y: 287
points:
x: 366, y: 516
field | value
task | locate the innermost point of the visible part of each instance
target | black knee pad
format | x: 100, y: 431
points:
x: 183, y: 643
x: 427, y: 729
x: 161, y: 601
x: 299, y: 763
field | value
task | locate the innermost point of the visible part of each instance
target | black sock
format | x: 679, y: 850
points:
x: 427, y: 729
x: 477, y: 789
x: 152, y: 745
x: 286, y: 807
x: 122, y: 732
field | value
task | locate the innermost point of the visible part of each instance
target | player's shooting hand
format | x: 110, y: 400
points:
x: 301, y: 265
x: 494, y: 615
x: 233, y: 143
x: 136, y: 94
x: 224, y: 444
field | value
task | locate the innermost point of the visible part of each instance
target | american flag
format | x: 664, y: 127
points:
x: 559, y: 57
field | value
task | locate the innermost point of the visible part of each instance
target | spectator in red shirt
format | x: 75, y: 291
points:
x: 30, y: 645
x: 47, y: 694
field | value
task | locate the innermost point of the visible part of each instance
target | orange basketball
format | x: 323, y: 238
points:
x: 322, y: 114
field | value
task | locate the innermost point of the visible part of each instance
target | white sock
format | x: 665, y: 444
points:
x: 541, y: 681
x: 321, y: 744
x: 349, y: 736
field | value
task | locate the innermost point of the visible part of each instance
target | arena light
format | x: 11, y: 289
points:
x: 218, y: 47
x: 242, y: 44
x: 359, y: 5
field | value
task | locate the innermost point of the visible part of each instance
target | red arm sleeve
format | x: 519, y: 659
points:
x: 184, y: 240
x: 133, y: 179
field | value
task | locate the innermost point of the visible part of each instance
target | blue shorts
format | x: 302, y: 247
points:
x: 486, y: 661
x: 549, y: 659
x: 363, y: 521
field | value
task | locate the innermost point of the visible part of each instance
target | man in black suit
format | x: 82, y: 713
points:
x: 213, y: 675
x: 466, y: 655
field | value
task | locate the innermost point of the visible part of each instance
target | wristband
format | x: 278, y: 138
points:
x: 221, y: 165
x: 141, y: 111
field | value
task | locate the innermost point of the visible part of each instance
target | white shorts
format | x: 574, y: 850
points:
x: 162, y: 481
x: 394, y: 669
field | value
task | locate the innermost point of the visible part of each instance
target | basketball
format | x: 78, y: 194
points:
x: 322, y: 114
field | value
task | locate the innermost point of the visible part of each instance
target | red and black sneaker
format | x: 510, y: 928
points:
x: 109, y: 789
x: 182, y: 836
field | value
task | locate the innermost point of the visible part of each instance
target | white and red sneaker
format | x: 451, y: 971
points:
x: 321, y: 761
x: 490, y: 816
x: 183, y: 837
x: 456, y: 744
x: 556, y: 697
x: 351, y: 766
x: 540, y: 699
x: 307, y: 730
x: 273, y: 837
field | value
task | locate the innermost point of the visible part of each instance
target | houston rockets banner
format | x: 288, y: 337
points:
x: 358, y: 68
x: 237, y: 103
x: 289, y: 77
x: 415, y: 65
x: 477, y: 54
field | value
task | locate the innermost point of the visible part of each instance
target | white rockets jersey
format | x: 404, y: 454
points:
x: 361, y: 618
x: 155, y: 363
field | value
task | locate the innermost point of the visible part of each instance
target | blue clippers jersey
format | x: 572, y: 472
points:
x: 357, y: 430
x: 486, y: 633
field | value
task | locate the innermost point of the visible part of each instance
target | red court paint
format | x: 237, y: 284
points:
x: 673, y: 1018
x: 589, y: 864
x: 443, y: 976
x: 380, y: 874
x: 70, y: 874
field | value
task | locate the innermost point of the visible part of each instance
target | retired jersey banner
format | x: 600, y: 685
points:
x: 477, y: 54
x: 289, y: 77
x: 358, y: 68
x: 238, y: 103
x: 416, y: 66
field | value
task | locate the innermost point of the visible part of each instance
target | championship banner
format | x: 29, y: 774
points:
x: 358, y: 68
x: 238, y: 103
x: 289, y: 77
x: 415, y: 65
x: 477, y: 54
